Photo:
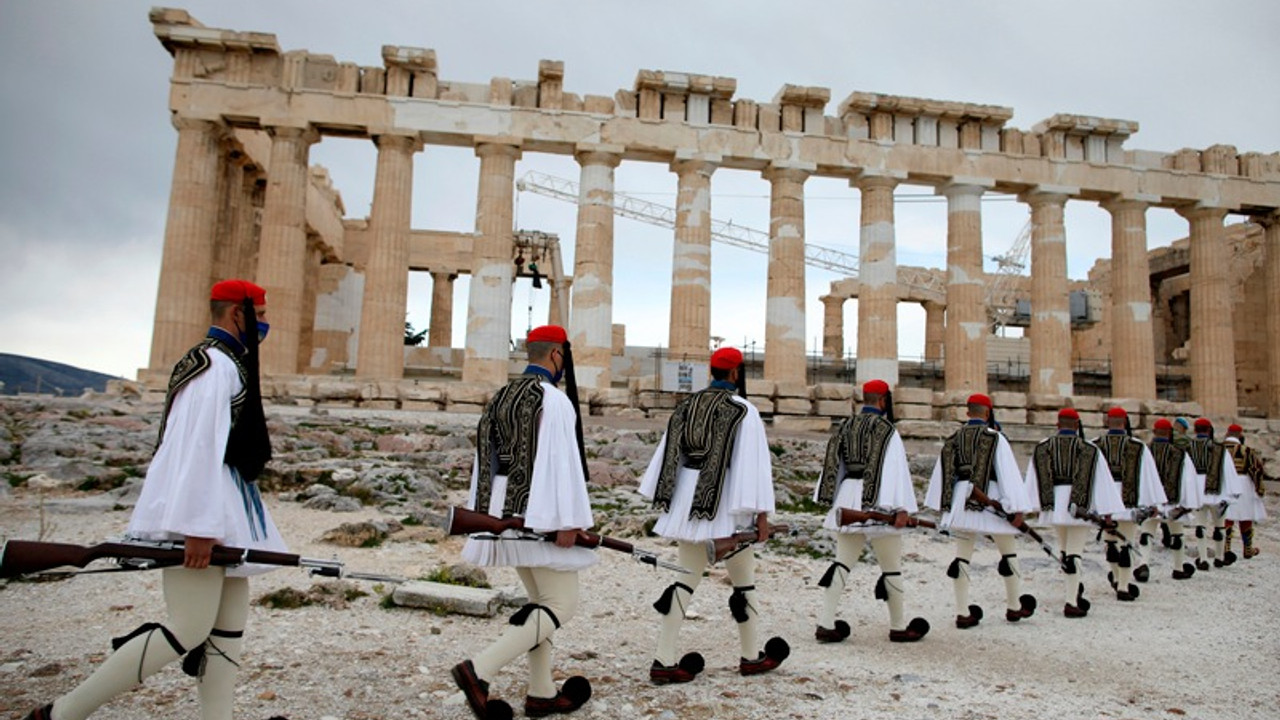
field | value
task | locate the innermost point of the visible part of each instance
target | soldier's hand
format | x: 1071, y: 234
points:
x: 900, y: 519
x: 1016, y: 520
x: 566, y: 538
x: 196, y: 552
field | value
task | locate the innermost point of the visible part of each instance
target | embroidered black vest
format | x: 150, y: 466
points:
x: 1248, y: 463
x: 1065, y: 460
x: 1169, y: 459
x: 969, y: 454
x: 506, y: 443
x: 1206, y: 454
x: 248, y: 444
x: 860, y: 442
x: 700, y: 435
x: 1124, y: 457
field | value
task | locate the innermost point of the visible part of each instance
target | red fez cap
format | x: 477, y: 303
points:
x: 875, y: 387
x: 1203, y: 424
x: 726, y: 358
x: 979, y: 399
x: 1234, y: 428
x: 547, y: 334
x: 1068, y: 413
x: 237, y: 291
x: 1117, y: 412
x: 1163, y: 424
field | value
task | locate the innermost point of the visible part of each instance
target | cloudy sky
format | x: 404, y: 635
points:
x: 87, y: 146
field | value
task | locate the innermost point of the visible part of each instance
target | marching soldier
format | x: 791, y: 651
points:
x: 1068, y: 477
x: 1134, y: 470
x: 1221, y: 483
x: 1183, y: 489
x: 200, y: 489
x: 530, y: 463
x: 1248, y: 508
x: 866, y: 469
x: 977, y: 462
x: 710, y: 476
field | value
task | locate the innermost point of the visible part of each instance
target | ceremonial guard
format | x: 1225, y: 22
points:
x: 530, y: 464
x: 977, y: 487
x: 1183, y: 489
x: 1134, y: 470
x: 710, y: 477
x: 866, y: 469
x: 1248, y: 508
x: 1068, y: 479
x: 199, y: 490
x: 1221, y: 485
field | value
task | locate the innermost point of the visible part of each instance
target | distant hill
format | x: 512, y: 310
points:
x: 28, y: 375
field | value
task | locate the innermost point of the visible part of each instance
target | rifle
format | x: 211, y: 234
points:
x: 849, y: 516
x: 462, y: 521
x: 1022, y: 526
x: 24, y: 557
x: 726, y: 547
x: 1222, y: 506
x: 1104, y: 525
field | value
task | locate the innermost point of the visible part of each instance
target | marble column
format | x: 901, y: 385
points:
x: 282, y: 251
x: 878, y: 283
x: 489, y: 305
x: 965, y: 333
x: 186, y: 263
x: 386, y: 277
x: 1271, y: 258
x: 690, y: 328
x: 556, y: 308
x: 832, y: 327
x: 784, y: 358
x: 1050, y: 330
x: 934, y: 331
x: 1213, y: 345
x: 1133, y: 354
x: 440, y: 333
x: 591, y: 313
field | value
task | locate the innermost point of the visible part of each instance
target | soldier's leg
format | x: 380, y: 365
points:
x: 958, y: 571
x: 742, y: 602
x: 890, y: 588
x: 674, y: 601
x: 1204, y: 521
x: 1181, y: 568
x: 1231, y: 532
x: 1017, y: 605
x: 1072, y: 539
x: 1246, y: 537
x: 1125, y: 588
x: 217, y: 661
x: 1221, y: 558
x: 848, y: 550
x: 191, y: 598
x: 535, y: 622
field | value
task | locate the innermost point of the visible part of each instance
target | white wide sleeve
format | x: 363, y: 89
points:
x: 933, y: 496
x: 1232, y: 482
x: 1192, y: 485
x: 897, y: 492
x: 649, y: 481
x: 749, y: 479
x: 1106, y: 493
x: 1150, y: 489
x: 187, y: 488
x: 1013, y: 491
x: 558, y: 497
x: 1032, y: 487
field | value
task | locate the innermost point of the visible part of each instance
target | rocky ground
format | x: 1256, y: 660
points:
x: 1204, y: 648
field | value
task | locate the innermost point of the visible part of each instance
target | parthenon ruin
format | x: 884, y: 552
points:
x: 246, y: 201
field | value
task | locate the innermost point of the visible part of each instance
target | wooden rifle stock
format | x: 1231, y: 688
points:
x: 23, y: 557
x: 849, y: 516
x: 721, y: 548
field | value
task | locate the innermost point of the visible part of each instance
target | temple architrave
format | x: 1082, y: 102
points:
x: 245, y: 200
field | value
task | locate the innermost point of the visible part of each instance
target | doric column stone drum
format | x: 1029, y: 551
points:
x: 690, y: 329
x: 1213, y: 347
x: 1133, y: 355
x: 186, y: 265
x: 440, y: 334
x: 489, y: 305
x: 784, y: 359
x: 966, y: 313
x: 934, y: 331
x: 832, y: 327
x: 591, y: 312
x: 1271, y: 256
x: 282, y: 253
x: 878, y: 290
x: 1050, y: 311
x: 386, y: 284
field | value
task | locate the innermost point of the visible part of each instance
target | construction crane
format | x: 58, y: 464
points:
x: 1001, y: 299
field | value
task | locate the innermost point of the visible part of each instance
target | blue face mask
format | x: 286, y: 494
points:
x: 558, y: 375
x: 263, y: 327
